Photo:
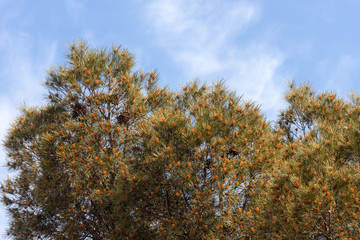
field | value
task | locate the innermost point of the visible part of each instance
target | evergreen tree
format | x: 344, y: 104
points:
x: 114, y: 156
x: 72, y: 176
x: 314, y: 191
x: 201, y: 156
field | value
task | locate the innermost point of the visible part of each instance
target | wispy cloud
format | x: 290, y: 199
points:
x: 7, y: 115
x: 22, y: 73
x: 74, y: 8
x: 202, y: 37
x: 23, y: 61
x: 196, y: 31
x: 343, y: 69
x: 253, y: 71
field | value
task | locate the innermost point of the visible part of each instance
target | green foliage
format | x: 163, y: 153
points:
x: 114, y: 156
x: 315, y: 190
x: 70, y: 156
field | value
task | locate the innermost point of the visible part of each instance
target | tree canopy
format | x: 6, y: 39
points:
x: 112, y: 155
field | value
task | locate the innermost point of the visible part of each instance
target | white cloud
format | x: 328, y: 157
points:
x: 7, y: 115
x: 74, y: 8
x: 342, y: 69
x: 23, y: 61
x: 202, y: 38
x: 198, y: 28
x: 200, y: 18
x: 23, y: 72
x: 254, y: 73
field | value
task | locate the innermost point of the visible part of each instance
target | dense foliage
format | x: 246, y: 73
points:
x: 114, y: 156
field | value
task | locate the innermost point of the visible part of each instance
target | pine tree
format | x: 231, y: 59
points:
x: 72, y: 178
x: 202, y: 154
x: 114, y: 156
x: 314, y: 192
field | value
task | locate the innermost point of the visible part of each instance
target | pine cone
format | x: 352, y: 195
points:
x: 78, y: 109
x: 123, y: 118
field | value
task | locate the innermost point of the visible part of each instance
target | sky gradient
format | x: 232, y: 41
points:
x: 255, y: 46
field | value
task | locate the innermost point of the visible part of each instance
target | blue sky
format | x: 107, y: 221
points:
x: 256, y: 46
